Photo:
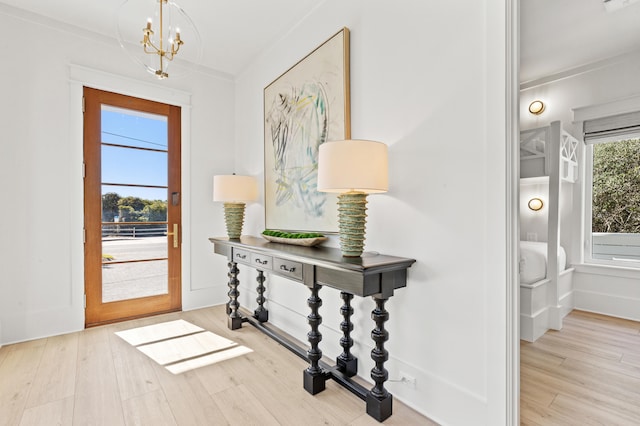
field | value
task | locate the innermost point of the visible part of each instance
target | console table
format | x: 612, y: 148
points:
x: 374, y: 275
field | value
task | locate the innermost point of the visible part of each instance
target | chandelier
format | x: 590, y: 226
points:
x: 173, y: 40
x: 163, y: 37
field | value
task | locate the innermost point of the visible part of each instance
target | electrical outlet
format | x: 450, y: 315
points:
x: 408, y: 380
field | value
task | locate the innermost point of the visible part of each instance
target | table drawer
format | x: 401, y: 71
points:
x: 288, y: 268
x: 241, y: 256
x: 261, y: 261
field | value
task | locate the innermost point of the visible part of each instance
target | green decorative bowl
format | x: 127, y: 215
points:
x: 306, y: 242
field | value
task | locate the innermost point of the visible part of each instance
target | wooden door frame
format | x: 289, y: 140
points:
x: 72, y: 316
x: 116, y: 311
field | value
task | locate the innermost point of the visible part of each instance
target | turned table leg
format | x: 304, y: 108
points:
x: 261, y: 314
x: 346, y: 362
x: 379, y: 401
x: 234, y: 321
x: 314, y: 380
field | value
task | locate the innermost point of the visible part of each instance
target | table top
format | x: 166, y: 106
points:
x: 331, y: 257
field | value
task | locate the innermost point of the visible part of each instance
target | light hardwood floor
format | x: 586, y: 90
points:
x: 94, y: 377
x: 586, y: 374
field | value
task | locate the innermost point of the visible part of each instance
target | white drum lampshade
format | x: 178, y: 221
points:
x: 353, y: 168
x: 234, y: 191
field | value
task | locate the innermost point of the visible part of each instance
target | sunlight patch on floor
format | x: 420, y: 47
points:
x: 157, y: 332
x: 180, y: 346
x: 202, y: 361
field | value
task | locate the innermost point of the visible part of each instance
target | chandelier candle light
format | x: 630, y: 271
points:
x: 234, y: 191
x: 354, y: 169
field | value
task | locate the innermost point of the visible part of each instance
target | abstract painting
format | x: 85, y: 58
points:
x: 303, y: 108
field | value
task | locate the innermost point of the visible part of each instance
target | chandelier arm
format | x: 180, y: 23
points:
x: 156, y: 50
x: 174, y: 48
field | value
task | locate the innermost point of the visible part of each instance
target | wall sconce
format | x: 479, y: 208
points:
x: 536, y: 107
x: 535, y: 204
x: 234, y: 191
x: 352, y: 168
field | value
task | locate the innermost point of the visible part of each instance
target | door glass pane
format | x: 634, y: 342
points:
x: 134, y: 204
x: 124, y: 243
x: 133, y: 165
x: 123, y: 281
x: 133, y: 128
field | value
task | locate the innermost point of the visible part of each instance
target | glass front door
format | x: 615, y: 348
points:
x: 132, y: 207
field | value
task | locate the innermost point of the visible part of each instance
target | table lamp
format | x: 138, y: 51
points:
x: 353, y: 169
x: 234, y: 191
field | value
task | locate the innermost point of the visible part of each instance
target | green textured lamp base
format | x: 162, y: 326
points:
x: 352, y: 217
x: 234, y: 219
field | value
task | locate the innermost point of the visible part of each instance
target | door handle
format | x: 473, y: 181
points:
x: 175, y: 235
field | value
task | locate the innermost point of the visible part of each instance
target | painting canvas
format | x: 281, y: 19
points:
x: 303, y: 108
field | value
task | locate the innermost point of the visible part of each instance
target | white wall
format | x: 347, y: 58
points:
x: 617, y: 80
x: 611, y: 291
x: 418, y: 69
x: 41, y: 283
x: 607, y: 290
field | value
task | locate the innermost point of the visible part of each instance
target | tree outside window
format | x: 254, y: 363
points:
x: 616, y: 187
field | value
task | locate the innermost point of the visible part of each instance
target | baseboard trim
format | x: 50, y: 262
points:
x: 607, y: 304
x: 534, y: 326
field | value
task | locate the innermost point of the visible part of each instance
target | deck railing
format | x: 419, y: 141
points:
x: 616, y: 246
x: 133, y: 229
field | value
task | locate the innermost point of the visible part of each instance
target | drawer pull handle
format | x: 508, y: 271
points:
x: 262, y: 262
x: 284, y: 268
x: 241, y: 256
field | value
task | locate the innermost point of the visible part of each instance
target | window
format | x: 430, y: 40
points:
x: 613, y: 190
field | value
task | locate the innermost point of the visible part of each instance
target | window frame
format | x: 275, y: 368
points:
x: 630, y: 104
x: 588, y: 211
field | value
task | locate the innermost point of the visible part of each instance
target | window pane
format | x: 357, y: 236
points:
x: 133, y: 280
x: 132, y: 231
x: 616, y: 201
x: 133, y: 128
x: 133, y: 204
x: 133, y: 166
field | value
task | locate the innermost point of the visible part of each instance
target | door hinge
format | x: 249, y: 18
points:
x: 85, y: 301
x: 84, y: 236
x: 83, y: 104
x: 84, y: 170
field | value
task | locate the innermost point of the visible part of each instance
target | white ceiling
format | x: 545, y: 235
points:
x: 233, y: 31
x: 556, y: 35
